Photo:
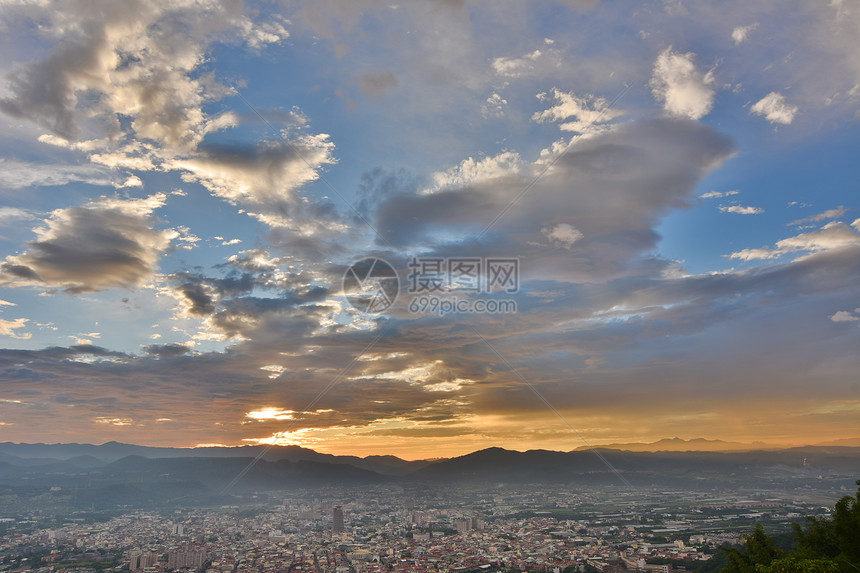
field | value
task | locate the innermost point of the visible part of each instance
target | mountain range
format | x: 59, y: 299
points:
x: 115, y: 474
x: 706, y: 445
x: 39, y: 454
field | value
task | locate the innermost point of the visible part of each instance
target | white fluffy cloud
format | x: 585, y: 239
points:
x: 11, y: 327
x: 741, y: 33
x: 471, y: 171
x: 718, y: 194
x: 587, y: 113
x: 775, y: 109
x: 844, y: 316
x: 562, y: 235
x: 257, y: 35
x: 516, y: 67
x: 834, y: 235
x: 682, y: 89
x: 263, y: 174
x: 494, y: 106
x: 742, y: 210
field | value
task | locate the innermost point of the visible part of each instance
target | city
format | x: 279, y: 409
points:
x: 536, y: 528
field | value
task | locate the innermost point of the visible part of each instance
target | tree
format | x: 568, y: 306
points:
x: 760, y: 550
x: 846, y: 526
x: 823, y: 546
x: 799, y: 565
x: 760, y: 547
x: 818, y: 540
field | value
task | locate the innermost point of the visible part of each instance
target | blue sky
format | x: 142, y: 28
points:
x: 184, y: 184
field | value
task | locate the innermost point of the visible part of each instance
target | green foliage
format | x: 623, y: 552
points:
x: 715, y: 563
x: 760, y: 550
x: 799, y: 565
x: 819, y: 538
x: 823, y: 546
x: 846, y: 526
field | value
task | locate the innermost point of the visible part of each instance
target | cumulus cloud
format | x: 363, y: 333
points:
x: 131, y: 181
x: 741, y: 210
x: 257, y: 35
x: 516, y: 67
x: 264, y: 174
x: 562, y: 235
x: 110, y: 242
x: 611, y: 188
x: 718, y: 194
x: 12, y: 327
x: 471, y: 171
x: 844, y: 316
x: 774, y: 108
x: 834, y: 235
x: 682, y: 89
x: 588, y: 112
x: 494, y: 106
x: 741, y: 33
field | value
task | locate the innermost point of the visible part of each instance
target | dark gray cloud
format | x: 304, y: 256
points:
x: 167, y: 350
x: 107, y: 243
x: 610, y: 190
x: 199, y: 301
x: 45, y: 92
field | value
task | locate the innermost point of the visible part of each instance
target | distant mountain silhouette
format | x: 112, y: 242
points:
x: 200, y: 475
x: 643, y: 468
x: 39, y: 454
x: 682, y: 445
x: 849, y: 442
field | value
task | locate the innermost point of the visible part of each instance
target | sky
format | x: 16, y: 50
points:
x: 605, y: 222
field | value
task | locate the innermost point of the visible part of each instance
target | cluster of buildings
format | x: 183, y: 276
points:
x: 402, y: 531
